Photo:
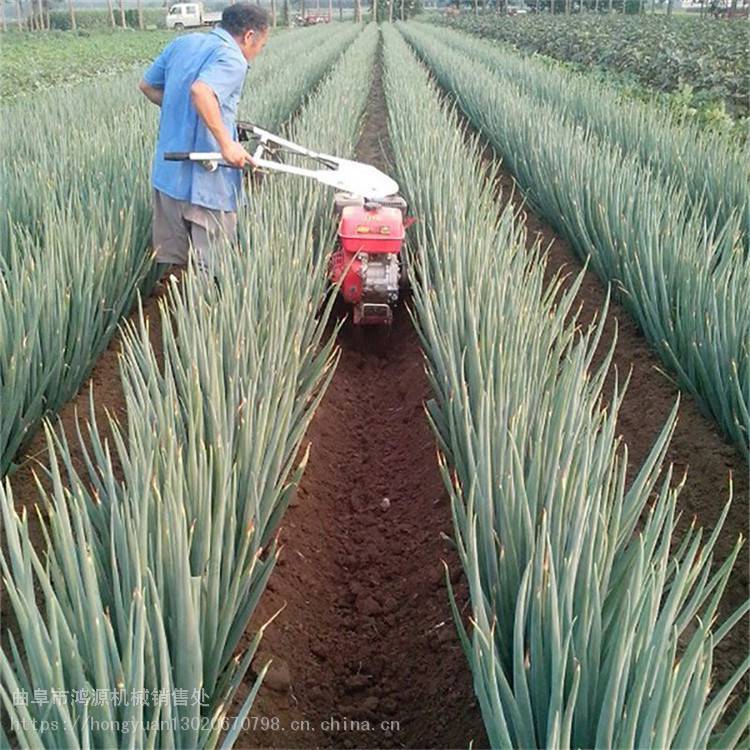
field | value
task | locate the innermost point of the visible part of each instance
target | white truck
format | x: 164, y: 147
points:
x: 189, y: 16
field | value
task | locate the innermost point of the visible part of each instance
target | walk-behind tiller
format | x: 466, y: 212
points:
x: 371, y: 219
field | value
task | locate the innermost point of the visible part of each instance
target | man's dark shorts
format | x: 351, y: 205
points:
x: 179, y: 225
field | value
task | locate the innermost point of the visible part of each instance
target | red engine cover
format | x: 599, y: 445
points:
x: 378, y: 230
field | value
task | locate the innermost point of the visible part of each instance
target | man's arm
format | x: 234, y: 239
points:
x: 154, y: 79
x: 207, y: 106
x: 152, y: 93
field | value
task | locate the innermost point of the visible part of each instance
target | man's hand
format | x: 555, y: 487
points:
x: 207, y: 106
x: 234, y: 153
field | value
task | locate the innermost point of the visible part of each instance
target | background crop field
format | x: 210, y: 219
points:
x: 707, y: 58
x: 30, y: 62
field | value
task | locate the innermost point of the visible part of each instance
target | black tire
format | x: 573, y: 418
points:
x: 179, y: 27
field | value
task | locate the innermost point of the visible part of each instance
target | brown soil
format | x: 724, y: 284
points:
x: 365, y: 653
x: 366, y: 634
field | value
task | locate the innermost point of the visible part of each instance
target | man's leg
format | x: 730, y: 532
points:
x: 171, y: 235
x: 209, y: 228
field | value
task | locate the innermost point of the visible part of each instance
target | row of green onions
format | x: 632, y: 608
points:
x: 158, y: 550
x: 714, y: 172
x: 589, y: 625
x: 685, y: 280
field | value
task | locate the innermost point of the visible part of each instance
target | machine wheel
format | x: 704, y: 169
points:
x: 179, y: 27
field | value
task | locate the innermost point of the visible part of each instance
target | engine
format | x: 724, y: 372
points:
x: 367, y: 258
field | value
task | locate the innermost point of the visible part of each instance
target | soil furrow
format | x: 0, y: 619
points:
x: 365, y: 652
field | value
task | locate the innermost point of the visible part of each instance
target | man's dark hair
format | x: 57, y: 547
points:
x: 242, y: 17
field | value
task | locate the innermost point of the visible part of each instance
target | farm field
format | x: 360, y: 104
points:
x: 504, y: 521
x: 30, y: 62
x: 707, y: 58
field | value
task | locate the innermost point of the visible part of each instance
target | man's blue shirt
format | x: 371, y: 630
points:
x: 216, y: 59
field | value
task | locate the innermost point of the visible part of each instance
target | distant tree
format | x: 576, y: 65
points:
x: 404, y: 9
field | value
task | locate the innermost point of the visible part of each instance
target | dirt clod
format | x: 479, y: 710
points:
x: 278, y: 677
x: 367, y: 605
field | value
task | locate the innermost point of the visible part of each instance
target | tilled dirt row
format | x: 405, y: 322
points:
x: 365, y: 653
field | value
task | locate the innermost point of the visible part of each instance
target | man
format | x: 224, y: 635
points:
x: 197, y: 81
